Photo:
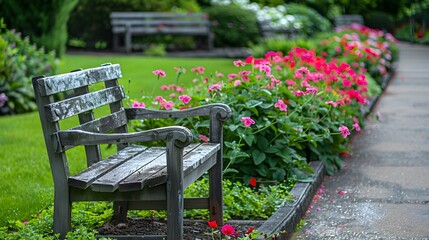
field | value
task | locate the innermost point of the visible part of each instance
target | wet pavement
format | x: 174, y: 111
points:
x: 383, y: 190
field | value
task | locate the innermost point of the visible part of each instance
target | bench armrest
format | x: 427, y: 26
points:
x: 221, y: 111
x: 70, y: 138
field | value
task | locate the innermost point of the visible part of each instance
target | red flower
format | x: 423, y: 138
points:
x: 250, y: 230
x: 252, y: 182
x: 212, y: 224
x: 227, y: 230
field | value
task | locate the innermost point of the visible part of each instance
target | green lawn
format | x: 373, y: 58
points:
x: 137, y: 70
x: 25, y: 178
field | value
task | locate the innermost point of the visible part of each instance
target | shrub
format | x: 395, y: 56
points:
x: 19, y: 62
x: 380, y: 20
x: 233, y: 26
x: 286, y: 110
x: 280, y: 44
x: 311, y: 21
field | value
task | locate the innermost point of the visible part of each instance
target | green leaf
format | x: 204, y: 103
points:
x: 248, y: 138
x: 230, y: 170
x: 253, y: 103
x: 279, y: 174
x: 262, y: 170
x: 233, y: 127
x: 262, y: 143
x: 258, y: 156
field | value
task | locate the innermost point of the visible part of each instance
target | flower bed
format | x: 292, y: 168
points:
x: 288, y: 110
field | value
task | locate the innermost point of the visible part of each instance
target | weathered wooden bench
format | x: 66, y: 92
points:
x: 267, y: 30
x: 129, y: 24
x: 136, y: 177
x: 345, y: 20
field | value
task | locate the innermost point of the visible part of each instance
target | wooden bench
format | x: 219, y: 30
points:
x: 267, y: 30
x: 129, y: 24
x: 136, y: 177
x: 345, y: 20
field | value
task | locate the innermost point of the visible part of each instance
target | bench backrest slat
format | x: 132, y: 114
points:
x: 69, y: 81
x: 159, y: 15
x: 345, y: 20
x: 104, y: 124
x: 76, y: 105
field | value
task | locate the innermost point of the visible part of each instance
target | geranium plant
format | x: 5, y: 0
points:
x: 287, y: 110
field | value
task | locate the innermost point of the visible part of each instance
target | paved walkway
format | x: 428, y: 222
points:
x: 383, y: 191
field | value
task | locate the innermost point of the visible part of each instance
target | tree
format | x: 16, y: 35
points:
x: 45, y: 21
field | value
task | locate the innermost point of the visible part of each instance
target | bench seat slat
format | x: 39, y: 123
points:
x: 189, y: 164
x: 110, y: 181
x: 115, y: 15
x: 79, y: 104
x: 137, y: 180
x: 84, y: 179
x: 64, y: 82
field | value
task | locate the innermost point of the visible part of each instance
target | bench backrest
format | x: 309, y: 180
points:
x: 155, y: 22
x: 78, y: 94
x: 345, y: 20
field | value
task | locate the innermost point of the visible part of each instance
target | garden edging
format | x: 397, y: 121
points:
x: 289, y: 215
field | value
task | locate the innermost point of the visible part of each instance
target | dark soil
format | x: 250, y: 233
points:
x: 193, y: 229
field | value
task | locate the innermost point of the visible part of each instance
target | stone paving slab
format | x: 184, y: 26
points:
x: 383, y: 190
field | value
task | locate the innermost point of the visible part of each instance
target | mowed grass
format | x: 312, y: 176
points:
x: 137, y: 77
x: 25, y: 177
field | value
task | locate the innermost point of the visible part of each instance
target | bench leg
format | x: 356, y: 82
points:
x: 62, y: 215
x: 215, y: 192
x: 175, y: 200
x: 128, y: 47
x: 120, y: 211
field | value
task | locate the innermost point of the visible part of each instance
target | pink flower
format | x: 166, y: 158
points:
x: 219, y: 74
x: 290, y: 82
x: 344, y: 131
x: 165, y: 87
x: 203, y: 138
x: 185, y: 99
x: 159, y: 73
x: 231, y: 76
x: 227, y: 230
x: 281, y: 105
x: 198, y: 69
x: 334, y: 104
x: 311, y: 90
x: 215, y: 87
x: 167, y: 105
x: 180, y: 69
x: 236, y: 83
x: 247, y: 121
x: 356, y: 126
x: 137, y: 104
x: 159, y: 99
x: 239, y: 63
x: 299, y: 93
x: 265, y: 68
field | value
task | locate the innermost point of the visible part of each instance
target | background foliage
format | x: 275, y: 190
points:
x: 44, y: 21
x: 19, y: 62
